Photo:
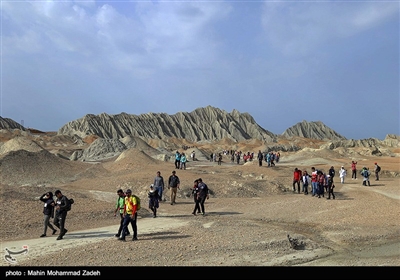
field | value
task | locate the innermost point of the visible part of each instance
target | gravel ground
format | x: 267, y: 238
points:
x: 250, y: 213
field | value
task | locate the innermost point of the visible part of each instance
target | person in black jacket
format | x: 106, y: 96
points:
x: 48, y: 211
x: 61, y: 213
x: 195, y: 190
x: 153, y: 200
x: 202, y: 194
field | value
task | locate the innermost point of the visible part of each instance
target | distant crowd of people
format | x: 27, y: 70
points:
x: 321, y: 183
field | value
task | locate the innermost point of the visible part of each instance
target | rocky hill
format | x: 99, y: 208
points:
x: 314, y: 130
x: 6, y: 123
x: 203, y: 124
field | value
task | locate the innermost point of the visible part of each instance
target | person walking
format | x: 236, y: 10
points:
x: 354, y: 170
x: 119, y: 207
x: 173, y: 184
x: 297, y: 174
x: 195, y: 191
x: 306, y: 181
x: 159, y: 185
x: 331, y: 186
x: 153, y: 200
x: 62, y: 204
x: 260, y: 157
x: 183, y: 161
x: 177, y: 159
x: 48, y: 211
x: 219, y: 159
x: 342, y: 174
x: 202, y: 194
x: 365, y: 173
x: 314, y: 181
x: 332, y: 172
x: 377, y: 169
x: 321, y: 183
x: 130, y: 215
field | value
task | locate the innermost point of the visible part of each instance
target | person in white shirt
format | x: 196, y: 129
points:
x: 342, y: 174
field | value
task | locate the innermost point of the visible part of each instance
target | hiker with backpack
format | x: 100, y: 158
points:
x: 377, y: 170
x: 130, y: 215
x: 62, y: 204
x: 119, y: 207
x: 365, y: 173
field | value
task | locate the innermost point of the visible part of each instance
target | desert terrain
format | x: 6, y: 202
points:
x: 250, y: 213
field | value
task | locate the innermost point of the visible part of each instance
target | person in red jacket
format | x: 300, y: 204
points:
x: 297, y: 174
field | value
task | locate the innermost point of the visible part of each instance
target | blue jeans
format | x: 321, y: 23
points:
x: 160, y: 192
x: 129, y: 219
x: 314, y: 188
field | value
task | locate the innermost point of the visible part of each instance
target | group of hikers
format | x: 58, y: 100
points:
x: 60, y: 206
x: 321, y: 183
x: 127, y: 205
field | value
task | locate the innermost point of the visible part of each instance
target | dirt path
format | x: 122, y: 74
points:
x: 41, y: 246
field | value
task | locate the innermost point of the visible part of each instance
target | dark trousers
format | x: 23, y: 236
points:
x: 59, y: 221
x: 129, y: 219
x: 354, y: 174
x: 202, y: 200
x: 121, y: 226
x: 330, y: 192
x: 298, y: 185
x: 196, y: 206
x: 305, y: 188
x: 260, y: 162
x: 320, y: 190
x: 47, y: 223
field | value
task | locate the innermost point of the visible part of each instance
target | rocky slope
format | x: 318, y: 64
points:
x: 203, y: 124
x: 315, y: 130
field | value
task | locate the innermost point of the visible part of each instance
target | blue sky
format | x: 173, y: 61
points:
x: 280, y: 61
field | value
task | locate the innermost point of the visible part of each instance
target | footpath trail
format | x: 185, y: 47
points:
x: 41, y: 246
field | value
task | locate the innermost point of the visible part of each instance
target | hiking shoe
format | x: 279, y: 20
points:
x: 64, y: 232
x: 128, y: 233
x: 59, y: 237
x: 117, y: 235
x: 134, y: 238
x: 43, y: 235
x: 122, y: 239
x: 194, y: 213
x: 54, y: 231
x: 202, y: 213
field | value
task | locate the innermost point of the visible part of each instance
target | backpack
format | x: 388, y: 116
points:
x: 70, y: 202
x: 378, y: 168
x: 137, y: 202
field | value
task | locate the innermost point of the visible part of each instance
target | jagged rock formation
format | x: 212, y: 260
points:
x: 6, y: 123
x: 315, y: 130
x: 203, y: 124
x: 392, y: 140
